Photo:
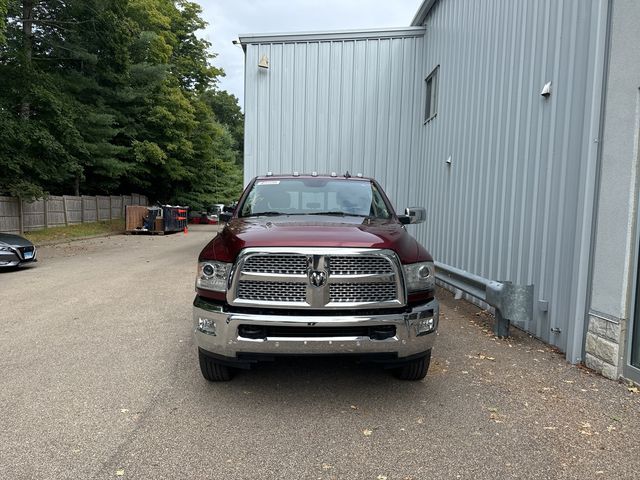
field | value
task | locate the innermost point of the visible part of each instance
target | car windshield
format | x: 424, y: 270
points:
x: 315, y: 196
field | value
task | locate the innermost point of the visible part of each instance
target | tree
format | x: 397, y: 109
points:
x: 114, y: 96
x: 3, y: 21
x: 227, y: 110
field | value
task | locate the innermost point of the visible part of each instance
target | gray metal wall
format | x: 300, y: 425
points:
x: 516, y: 203
x: 334, y: 103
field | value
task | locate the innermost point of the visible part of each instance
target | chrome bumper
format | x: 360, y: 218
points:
x: 223, y: 340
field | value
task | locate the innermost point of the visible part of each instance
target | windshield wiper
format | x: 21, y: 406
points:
x: 336, y: 213
x: 265, y: 214
x: 339, y: 214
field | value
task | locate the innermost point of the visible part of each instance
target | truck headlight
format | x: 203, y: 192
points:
x: 213, y: 276
x: 420, y: 276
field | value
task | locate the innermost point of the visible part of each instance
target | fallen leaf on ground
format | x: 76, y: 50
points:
x: 354, y: 407
x: 495, y: 417
x: 585, y: 429
x: 124, y: 410
x: 326, y: 466
x: 119, y: 473
x: 381, y: 477
x: 633, y: 389
x: 550, y: 428
x: 420, y: 421
x: 366, y: 432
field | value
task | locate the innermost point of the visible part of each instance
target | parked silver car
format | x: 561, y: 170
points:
x: 16, y: 250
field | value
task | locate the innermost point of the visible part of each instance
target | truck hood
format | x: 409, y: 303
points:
x: 312, y: 231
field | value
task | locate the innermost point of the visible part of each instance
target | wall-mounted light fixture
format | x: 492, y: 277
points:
x: 546, y: 90
x: 264, y: 62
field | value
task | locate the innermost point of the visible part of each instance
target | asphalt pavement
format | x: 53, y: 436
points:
x: 99, y: 379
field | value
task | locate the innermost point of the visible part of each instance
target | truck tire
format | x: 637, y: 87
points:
x: 415, y: 369
x: 215, y: 371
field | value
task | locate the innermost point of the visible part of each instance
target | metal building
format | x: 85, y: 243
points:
x: 516, y: 123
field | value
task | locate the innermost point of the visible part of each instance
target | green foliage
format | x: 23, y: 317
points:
x: 113, y: 96
x: 3, y: 21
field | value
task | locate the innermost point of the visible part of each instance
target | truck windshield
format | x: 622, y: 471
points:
x: 314, y: 196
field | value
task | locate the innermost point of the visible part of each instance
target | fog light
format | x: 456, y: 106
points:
x: 423, y: 326
x: 206, y: 326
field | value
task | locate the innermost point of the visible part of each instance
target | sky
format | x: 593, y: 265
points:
x: 228, y: 19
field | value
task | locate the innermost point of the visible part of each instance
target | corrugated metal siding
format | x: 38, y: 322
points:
x: 510, y: 205
x: 513, y: 204
x: 334, y: 105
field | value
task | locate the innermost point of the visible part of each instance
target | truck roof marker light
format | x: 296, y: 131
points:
x: 334, y: 174
x: 314, y: 174
x: 269, y: 174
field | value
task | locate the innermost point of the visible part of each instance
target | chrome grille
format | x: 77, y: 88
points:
x: 272, y: 291
x: 360, y: 265
x: 280, y: 277
x: 276, y: 264
x: 362, y: 292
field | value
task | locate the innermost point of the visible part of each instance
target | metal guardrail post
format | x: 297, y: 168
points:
x: 512, y: 303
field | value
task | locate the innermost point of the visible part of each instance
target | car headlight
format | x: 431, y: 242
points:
x: 213, y: 276
x: 420, y: 276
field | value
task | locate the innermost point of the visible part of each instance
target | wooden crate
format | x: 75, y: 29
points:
x: 134, y: 217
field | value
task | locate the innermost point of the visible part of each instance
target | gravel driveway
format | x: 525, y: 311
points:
x: 99, y: 379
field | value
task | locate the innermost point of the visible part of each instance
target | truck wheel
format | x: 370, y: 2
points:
x: 416, y: 369
x: 214, y: 371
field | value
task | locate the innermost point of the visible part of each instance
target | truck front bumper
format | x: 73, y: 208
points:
x: 218, y: 332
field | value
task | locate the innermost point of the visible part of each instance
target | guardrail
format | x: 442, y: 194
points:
x: 512, y: 303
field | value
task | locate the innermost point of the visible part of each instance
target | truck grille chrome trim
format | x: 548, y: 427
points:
x: 287, y: 277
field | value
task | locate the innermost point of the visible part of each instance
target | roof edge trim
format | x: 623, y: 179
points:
x: 422, y: 12
x: 252, y: 38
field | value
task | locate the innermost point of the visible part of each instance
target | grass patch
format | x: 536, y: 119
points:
x: 75, y: 231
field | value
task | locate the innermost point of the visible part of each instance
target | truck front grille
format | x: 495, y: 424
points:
x: 359, y: 266
x: 272, y: 291
x: 362, y: 293
x: 310, y: 278
x: 276, y: 264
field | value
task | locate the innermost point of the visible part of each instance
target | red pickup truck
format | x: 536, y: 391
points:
x: 315, y: 265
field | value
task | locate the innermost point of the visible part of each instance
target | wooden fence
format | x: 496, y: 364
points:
x: 56, y: 211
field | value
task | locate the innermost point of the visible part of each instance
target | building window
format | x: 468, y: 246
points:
x: 431, y: 94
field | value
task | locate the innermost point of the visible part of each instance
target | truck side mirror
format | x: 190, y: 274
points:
x: 413, y: 215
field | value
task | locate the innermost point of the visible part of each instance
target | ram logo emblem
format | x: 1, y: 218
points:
x: 318, y: 278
